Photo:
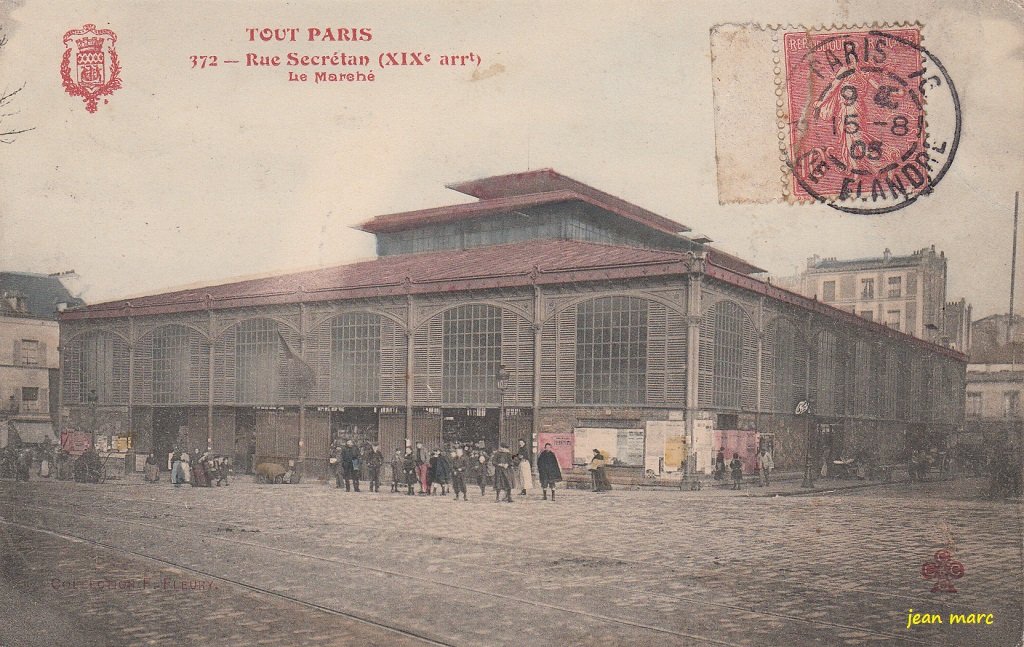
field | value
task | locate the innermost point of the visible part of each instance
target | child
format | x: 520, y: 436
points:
x: 737, y: 471
x: 396, y: 470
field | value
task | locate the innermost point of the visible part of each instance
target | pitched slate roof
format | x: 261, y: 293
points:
x: 509, y: 265
x: 42, y: 294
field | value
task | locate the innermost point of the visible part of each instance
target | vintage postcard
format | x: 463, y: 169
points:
x: 511, y: 323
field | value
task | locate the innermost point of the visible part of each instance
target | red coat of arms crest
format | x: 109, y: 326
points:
x: 90, y: 67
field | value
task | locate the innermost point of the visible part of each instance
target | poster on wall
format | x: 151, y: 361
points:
x: 703, y: 446
x: 665, y: 444
x: 561, y: 445
x: 621, y: 447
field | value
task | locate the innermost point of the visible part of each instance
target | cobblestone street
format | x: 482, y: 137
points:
x: 128, y: 563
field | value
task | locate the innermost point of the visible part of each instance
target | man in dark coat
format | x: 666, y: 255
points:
x: 460, y: 466
x: 397, y: 476
x: 410, y: 469
x: 550, y: 473
x: 502, y: 460
x: 374, y: 461
x: 350, y: 465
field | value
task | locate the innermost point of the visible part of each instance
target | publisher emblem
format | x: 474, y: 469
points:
x: 90, y: 67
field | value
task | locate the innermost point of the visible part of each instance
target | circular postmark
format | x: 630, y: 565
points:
x: 875, y: 119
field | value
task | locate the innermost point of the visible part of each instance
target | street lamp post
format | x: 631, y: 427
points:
x: 803, y: 409
x: 502, y: 376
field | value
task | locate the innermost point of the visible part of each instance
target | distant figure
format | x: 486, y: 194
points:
x: 396, y: 470
x: 460, y: 466
x: 177, y: 471
x: 374, y: 461
x: 186, y: 468
x: 483, y: 471
x: 151, y: 472
x: 502, y: 461
x: 547, y: 468
x: 525, y: 467
x: 350, y: 465
x: 410, y: 468
x: 422, y: 458
x: 720, y: 464
x: 767, y: 464
x: 440, y: 472
x: 598, y: 476
x: 736, y: 466
x: 221, y: 466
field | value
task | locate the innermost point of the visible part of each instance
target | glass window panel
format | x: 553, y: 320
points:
x: 611, y: 351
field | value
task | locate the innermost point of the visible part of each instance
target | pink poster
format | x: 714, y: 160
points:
x: 740, y: 442
x: 561, y: 444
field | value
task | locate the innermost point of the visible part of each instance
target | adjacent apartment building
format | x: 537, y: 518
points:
x: 904, y: 292
x: 29, y: 362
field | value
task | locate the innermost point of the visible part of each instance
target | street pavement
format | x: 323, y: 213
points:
x: 128, y: 563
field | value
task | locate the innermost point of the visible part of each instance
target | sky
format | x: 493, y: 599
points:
x: 195, y: 176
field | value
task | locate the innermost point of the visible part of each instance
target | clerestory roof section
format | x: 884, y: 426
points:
x: 519, y: 191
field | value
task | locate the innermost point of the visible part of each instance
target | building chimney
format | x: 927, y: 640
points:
x: 887, y: 254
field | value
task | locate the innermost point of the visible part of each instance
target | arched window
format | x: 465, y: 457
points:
x: 355, y: 358
x: 611, y: 351
x: 258, y: 354
x: 471, y: 342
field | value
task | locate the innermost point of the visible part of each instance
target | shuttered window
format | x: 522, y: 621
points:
x: 103, y: 369
x: 611, y: 351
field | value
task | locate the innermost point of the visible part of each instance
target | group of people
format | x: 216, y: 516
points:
x: 50, y: 460
x: 765, y: 466
x: 197, y: 470
x: 449, y: 471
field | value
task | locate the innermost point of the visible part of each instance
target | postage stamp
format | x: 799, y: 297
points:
x: 863, y: 119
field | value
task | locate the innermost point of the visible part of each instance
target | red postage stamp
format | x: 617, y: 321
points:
x: 90, y: 68
x: 857, y: 112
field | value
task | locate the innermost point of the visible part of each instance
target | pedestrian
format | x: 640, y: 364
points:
x: 200, y: 471
x: 442, y: 468
x: 598, y: 476
x: 221, y: 465
x: 767, y: 464
x: 525, y: 467
x: 24, y: 465
x: 186, y: 468
x: 151, y: 472
x: 502, y: 461
x: 460, y: 465
x: 410, y: 468
x: 483, y: 468
x: 736, y: 467
x: 177, y: 471
x: 374, y: 461
x: 549, y: 471
x: 720, y: 464
x: 350, y: 465
x: 422, y: 458
x: 396, y: 470
x: 335, y: 461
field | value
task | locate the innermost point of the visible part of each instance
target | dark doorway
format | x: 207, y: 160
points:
x: 358, y: 424
x: 167, y: 424
x: 477, y: 427
x: 245, y: 440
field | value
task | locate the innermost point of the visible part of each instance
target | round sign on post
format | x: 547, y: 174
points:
x: 803, y: 407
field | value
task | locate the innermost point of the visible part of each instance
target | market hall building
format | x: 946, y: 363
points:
x: 546, y: 310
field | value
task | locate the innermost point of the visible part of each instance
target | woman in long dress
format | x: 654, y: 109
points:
x: 598, y: 474
x: 151, y: 472
x: 525, y: 468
